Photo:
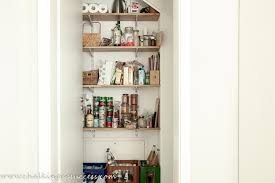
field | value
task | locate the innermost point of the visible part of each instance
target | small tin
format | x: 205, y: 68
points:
x: 109, y: 124
x: 96, y: 122
x: 102, y: 123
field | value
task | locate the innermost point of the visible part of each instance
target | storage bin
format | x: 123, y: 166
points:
x: 133, y: 171
x: 93, y: 171
x: 90, y: 77
x: 154, y: 77
x: 149, y: 174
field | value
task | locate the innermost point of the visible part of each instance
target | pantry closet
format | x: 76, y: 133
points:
x: 125, y: 144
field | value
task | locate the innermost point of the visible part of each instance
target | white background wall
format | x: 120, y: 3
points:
x: 257, y: 88
x: 214, y: 91
x: 18, y: 94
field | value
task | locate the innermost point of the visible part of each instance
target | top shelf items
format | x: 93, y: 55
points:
x: 121, y: 16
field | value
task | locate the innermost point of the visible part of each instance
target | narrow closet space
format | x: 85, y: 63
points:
x: 121, y: 91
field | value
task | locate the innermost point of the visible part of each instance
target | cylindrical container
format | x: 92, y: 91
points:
x: 124, y: 118
x: 96, y: 101
x: 96, y: 122
x: 141, y: 76
x: 153, y: 41
x: 146, y: 40
x: 109, y: 101
x: 134, y: 99
x: 115, y: 122
x: 102, y: 123
x: 125, y: 99
x: 147, y: 78
x: 124, y: 108
x: 134, y: 107
x: 96, y: 112
x: 102, y: 112
x: 136, y: 37
x: 129, y: 36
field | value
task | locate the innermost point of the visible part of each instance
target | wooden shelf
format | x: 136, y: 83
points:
x: 120, y: 129
x: 121, y: 16
x: 122, y: 48
x: 119, y: 86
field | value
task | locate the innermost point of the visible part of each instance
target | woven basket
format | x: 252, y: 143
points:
x: 91, y: 39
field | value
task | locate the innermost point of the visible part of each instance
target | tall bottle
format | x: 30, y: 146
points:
x: 89, y: 117
x: 117, y: 35
x: 151, y: 155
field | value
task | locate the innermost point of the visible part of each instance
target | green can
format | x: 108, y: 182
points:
x: 147, y: 172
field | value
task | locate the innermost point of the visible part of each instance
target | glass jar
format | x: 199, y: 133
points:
x: 136, y: 37
x: 129, y: 36
x: 146, y: 40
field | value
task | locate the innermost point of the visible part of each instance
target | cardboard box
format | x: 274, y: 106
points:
x: 154, y: 78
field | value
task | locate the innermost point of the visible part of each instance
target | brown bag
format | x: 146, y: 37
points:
x: 91, y: 39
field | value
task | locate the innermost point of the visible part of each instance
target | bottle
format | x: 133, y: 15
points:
x: 117, y: 34
x: 89, y: 118
x: 155, y: 160
x: 151, y: 155
x: 141, y: 76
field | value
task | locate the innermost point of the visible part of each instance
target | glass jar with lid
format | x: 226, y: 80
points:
x: 136, y: 37
x: 129, y: 36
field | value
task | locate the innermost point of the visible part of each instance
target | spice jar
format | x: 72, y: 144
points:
x: 136, y: 37
x: 153, y: 41
x: 146, y: 40
x: 142, y: 122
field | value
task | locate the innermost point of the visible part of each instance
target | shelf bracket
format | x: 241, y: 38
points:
x: 136, y: 89
x: 136, y: 21
x: 90, y: 19
x: 93, y: 133
x: 136, y: 132
x: 91, y: 52
x: 91, y: 89
x: 136, y: 53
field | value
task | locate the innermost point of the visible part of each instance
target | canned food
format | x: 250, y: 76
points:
x: 96, y: 101
x: 109, y: 124
x: 134, y: 107
x: 102, y: 113
x: 109, y: 119
x: 115, y: 123
x: 96, y: 122
x: 102, y: 123
x: 109, y: 101
x: 102, y: 101
x: 125, y: 99
x: 124, y: 108
x: 134, y: 99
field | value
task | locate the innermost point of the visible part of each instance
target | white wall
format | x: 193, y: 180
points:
x: 257, y: 88
x: 166, y: 91
x: 18, y: 94
x: 214, y: 91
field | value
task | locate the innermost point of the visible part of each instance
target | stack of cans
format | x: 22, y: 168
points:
x: 110, y: 110
x: 134, y: 107
x: 102, y: 112
x: 125, y: 115
x: 96, y: 111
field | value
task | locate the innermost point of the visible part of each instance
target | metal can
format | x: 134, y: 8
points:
x: 102, y: 123
x: 96, y: 101
x: 125, y: 99
x: 102, y: 112
x: 96, y: 122
x: 109, y: 101
x: 134, y: 99
x: 102, y: 101
x: 109, y: 118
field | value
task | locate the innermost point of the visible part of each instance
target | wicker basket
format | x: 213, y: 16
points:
x: 90, y: 77
x: 91, y: 39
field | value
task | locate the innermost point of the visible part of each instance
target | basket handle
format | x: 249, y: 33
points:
x: 86, y: 23
x: 99, y: 25
x: 91, y: 24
